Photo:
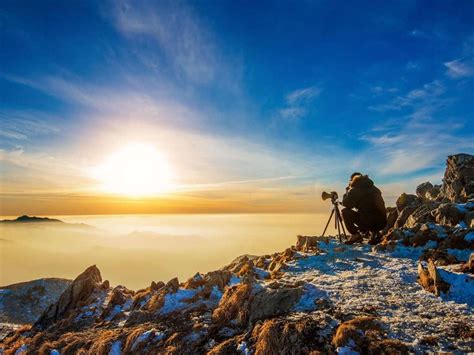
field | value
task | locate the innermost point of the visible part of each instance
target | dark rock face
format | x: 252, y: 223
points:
x: 24, y: 302
x: 458, y: 181
x: 421, y: 214
x: 448, y: 214
x: 271, y: 303
x: 79, y: 292
x: 407, y: 200
x: 427, y: 192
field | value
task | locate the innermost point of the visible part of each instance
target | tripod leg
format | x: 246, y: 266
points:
x: 337, y: 224
x: 327, y: 224
x: 341, y: 221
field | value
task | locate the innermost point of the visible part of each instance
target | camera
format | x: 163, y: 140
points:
x: 329, y: 195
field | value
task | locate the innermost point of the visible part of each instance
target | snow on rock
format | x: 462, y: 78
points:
x: 175, y: 301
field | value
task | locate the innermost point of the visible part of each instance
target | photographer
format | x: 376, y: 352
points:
x: 366, y: 198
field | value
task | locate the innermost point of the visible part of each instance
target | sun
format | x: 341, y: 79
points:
x: 136, y: 169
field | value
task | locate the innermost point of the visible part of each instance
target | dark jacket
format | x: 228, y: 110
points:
x: 367, y: 199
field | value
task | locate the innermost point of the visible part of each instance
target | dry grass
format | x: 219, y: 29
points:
x: 228, y: 346
x: 103, y: 342
x: 156, y: 302
x: 288, y: 336
x: 358, y: 329
x: 234, y: 304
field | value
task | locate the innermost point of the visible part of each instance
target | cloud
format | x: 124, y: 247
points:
x: 420, y: 139
x: 428, y: 93
x: 23, y: 125
x: 292, y: 113
x: 185, y: 41
x: 302, y: 95
x: 460, y: 68
x: 298, y: 101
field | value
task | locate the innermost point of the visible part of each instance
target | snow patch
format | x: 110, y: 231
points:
x: 309, y: 297
x: 175, y: 301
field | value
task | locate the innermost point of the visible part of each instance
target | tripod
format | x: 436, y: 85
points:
x: 338, y: 223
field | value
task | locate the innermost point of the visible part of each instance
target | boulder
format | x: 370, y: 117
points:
x: 392, y: 215
x: 421, y: 214
x: 407, y: 200
x: 406, y: 205
x: 427, y: 192
x: 273, y: 302
x: 448, y: 214
x: 83, y: 290
x: 458, y: 181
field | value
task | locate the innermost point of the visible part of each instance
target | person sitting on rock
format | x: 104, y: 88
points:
x: 364, y: 208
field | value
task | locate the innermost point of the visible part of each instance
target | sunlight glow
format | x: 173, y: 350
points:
x: 137, y: 170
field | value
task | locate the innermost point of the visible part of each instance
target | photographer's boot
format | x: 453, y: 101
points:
x: 354, y: 238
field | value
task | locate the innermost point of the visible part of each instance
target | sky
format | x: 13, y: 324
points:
x: 254, y: 106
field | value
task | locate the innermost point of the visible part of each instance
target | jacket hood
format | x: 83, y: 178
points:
x: 362, y: 181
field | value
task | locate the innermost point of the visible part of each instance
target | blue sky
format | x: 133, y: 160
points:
x: 267, y: 98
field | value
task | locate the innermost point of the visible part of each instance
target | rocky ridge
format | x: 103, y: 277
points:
x: 411, y: 291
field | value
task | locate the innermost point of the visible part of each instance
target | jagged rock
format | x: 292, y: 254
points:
x: 421, y: 214
x: 458, y: 181
x: 194, y: 282
x: 155, y: 286
x: 81, y: 291
x: 279, y: 260
x: 219, y: 278
x: 427, y: 192
x: 431, y: 280
x: 273, y: 302
x: 448, y: 214
x: 173, y: 285
x: 118, y: 296
x: 307, y: 243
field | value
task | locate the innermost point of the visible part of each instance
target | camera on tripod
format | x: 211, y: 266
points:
x: 338, y: 223
x: 330, y: 195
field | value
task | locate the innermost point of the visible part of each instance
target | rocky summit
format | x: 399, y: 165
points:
x: 409, y: 290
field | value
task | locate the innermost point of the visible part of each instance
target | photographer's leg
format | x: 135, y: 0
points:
x: 350, y: 218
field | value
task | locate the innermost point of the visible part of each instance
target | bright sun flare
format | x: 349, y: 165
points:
x: 136, y: 169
